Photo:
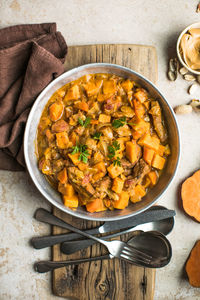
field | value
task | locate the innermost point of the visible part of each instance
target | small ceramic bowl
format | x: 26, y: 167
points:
x: 195, y: 25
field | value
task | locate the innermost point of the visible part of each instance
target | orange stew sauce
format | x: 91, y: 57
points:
x: 102, y: 142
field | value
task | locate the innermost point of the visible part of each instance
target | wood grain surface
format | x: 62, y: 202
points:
x: 108, y: 279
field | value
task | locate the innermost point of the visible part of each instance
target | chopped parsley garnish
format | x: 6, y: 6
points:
x: 80, y: 121
x: 119, y: 122
x: 113, y: 148
x: 75, y: 149
x: 86, y: 123
x: 82, y: 149
x: 117, y: 162
x: 97, y: 135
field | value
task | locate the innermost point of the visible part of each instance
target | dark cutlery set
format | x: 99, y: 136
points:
x: 150, y: 248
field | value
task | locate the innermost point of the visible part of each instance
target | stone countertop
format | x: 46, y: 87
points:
x: 152, y: 22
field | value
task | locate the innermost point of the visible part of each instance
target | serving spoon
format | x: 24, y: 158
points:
x: 152, y: 243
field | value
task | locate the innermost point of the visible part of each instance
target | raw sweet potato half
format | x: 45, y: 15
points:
x: 190, y: 194
x: 193, y: 266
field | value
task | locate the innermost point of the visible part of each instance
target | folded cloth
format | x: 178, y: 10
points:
x: 31, y: 56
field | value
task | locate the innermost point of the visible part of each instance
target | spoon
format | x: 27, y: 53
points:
x: 164, y: 226
x: 152, y: 243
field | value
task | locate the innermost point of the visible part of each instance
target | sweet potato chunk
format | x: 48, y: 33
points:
x: 132, y: 151
x: 70, y: 201
x: 72, y: 94
x: 100, y: 167
x: 109, y: 87
x: 82, y: 105
x: 118, y: 184
x: 153, y: 177
x: 74, y: 158
x: 114, y: 171
x: 141, y: 95
x: 92, y: 87
x: 123, y: 200
x: 139, y: 192
x: 62, y: 176
x: 56, y: 111
x: 150, y: 142
x: 127, y: 85
x: 104, y: 118
x: 139, y: 109
x: 158, y: 162
x: 140, y: 128
x: 148, y: 155
x: 96, y: 206
x: 62, y: 140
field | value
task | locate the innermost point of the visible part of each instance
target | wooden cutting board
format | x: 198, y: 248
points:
x: 108, y: 279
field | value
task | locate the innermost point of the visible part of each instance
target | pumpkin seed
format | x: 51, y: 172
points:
x: 189, y: 77
x: 192, y: 89
x: 195, y: 105
x: 183, y: 71
x: 171, y: 76
x: 183, y: 109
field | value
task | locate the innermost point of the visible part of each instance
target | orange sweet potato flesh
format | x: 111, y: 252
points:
x: 95, y: 206
x: 193, y: 266
x: 72, y: 94
x: 158, y: 162
x: 190, y: 194
x: 122, y: 202
x: 148, y: 155
x: 62, y: 176
x: 71, y: 201
x: 83, y: 106
x: 153, y: 177
x: 55, y: 111
x: 62, y: 140
x: 132, y: 151
x: 139, y: 109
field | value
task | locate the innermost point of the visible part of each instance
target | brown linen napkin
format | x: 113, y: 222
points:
x: 31, y: 56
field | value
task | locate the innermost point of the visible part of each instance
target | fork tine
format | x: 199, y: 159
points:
x: 135, y: 256
x: 132, y: 249
x: 132, y: 260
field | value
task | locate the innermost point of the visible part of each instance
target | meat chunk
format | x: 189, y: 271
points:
x: 155, y: 111
x: 129, y: 184
x: 126, y: 164
x: 140, y: 170
x: 76, y: 178
x: 60, y: 126
x: 104, y: 184
x: 103, y: 189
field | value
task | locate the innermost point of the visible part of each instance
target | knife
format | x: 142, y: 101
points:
x: 155, y: 213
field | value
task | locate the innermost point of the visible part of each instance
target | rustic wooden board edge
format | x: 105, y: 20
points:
x: 136, y: 46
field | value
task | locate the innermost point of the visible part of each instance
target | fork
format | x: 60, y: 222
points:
x: 116, y: 248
